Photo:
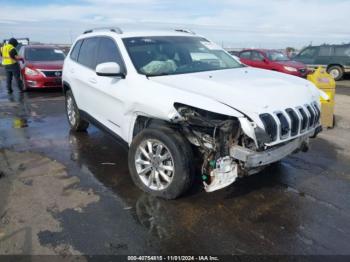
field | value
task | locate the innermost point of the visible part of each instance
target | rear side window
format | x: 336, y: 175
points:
x: 257, y: 56
x: 87, y: 54
x: 108, y: 52
x: 342, y: 51
x: 75, y: 52
x: 245, y: 55
x: 325, y: 51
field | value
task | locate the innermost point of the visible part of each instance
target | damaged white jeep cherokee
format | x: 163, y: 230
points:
x: 180, y: 102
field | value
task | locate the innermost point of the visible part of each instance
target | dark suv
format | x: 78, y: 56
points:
x: 336, y: 58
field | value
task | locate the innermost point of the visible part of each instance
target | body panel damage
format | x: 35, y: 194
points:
x: 231, y: 147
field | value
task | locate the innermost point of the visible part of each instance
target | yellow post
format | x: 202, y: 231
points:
x: 326, y: 83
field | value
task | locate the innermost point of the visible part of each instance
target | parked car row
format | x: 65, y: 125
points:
x: 335, y: 58
x: 42, y: 65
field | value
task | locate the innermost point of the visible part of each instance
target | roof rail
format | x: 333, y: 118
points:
x: 112, y: 29
x: 187, y: 31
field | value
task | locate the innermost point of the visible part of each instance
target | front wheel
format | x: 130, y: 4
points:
x: 75, y: 121
x: 160, y: 162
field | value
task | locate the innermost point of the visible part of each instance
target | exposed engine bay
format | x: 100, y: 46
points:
x: 214, y: 135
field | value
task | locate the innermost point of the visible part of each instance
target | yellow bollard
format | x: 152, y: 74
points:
x: 326, y: 83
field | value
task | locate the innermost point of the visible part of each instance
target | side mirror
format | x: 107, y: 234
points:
x: 265, y: 61
x: 109, y: 69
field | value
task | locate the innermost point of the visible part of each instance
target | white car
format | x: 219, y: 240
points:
x: 186, y: 107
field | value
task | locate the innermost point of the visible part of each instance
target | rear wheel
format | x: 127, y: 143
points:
x: 160, y: 162
x: 336, y: 72
x: 75, y: 121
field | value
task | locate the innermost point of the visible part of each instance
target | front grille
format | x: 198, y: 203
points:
x: 318, y: 113
x: 312, y: 116
x: 284, y: 129
x: 270, y: 125
x: 291, y: 122
x: 52, y: 73
x: 304, y: 119
x: 294, y: 120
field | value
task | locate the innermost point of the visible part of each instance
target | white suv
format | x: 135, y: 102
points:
x: 186, y: 107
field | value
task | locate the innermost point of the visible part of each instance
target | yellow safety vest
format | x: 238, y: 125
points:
x: 6, y: 59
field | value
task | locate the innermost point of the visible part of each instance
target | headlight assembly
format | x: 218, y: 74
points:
x: 31, y: 72
x: 290, y: 69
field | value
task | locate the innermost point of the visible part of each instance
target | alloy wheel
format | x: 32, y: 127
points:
x: 71, y: 111
x: 154, y: 164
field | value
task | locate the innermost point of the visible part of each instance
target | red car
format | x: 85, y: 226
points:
x: 272, y: 60
x: 42, y: 66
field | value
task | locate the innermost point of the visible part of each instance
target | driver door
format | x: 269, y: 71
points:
x: 109, y: 93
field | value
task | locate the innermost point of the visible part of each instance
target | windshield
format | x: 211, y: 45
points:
x: 44, y: 54
x: 170, y: 55
x: 277, y: 56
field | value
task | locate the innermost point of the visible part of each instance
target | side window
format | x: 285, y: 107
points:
x: 257, y: 56
x: 108, y: 52
x: 342, y: 51
x: 21, y: 52
x: 245, y: 55
x: 325, y: 51
x: 87, y: 54
x: 309, y: 52
x: 75, y: 52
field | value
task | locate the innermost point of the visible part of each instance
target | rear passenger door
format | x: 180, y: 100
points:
x: 324, y: 55
x: 109, y: 93
x: 258, y: 60
x: 341, y: 55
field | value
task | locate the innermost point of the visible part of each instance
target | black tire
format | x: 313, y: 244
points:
x: 339, y: 72
x: 78, y: 124
x: 181, y: 152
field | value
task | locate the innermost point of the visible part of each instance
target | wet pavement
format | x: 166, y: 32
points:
x: 68, y: 193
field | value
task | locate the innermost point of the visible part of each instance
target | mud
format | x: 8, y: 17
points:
x: 34, y: 189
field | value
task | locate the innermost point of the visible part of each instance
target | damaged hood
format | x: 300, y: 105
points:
x: 247, y: 89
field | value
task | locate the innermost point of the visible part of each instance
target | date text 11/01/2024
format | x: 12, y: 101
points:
x: 173, y: 258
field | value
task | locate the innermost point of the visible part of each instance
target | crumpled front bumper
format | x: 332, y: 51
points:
x: 253, y: 159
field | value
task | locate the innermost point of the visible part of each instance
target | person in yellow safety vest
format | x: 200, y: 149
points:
x: 10, y: 60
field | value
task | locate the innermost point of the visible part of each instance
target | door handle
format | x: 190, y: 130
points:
x: 92, y: 81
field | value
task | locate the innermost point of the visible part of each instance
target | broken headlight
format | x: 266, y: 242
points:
x: 200, y: 117
x: 212, y: 131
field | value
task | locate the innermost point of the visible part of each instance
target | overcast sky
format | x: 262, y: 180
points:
x: 233, y: 23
